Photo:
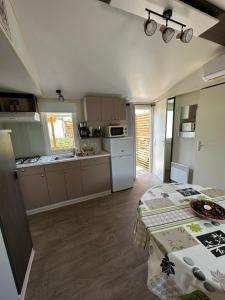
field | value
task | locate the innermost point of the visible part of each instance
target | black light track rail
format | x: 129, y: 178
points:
x: 165, y: 16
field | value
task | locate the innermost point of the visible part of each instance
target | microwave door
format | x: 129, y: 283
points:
x: 116, y: 131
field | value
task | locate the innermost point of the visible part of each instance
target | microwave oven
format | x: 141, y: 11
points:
x: 188, y: 127
x: 116, y: 131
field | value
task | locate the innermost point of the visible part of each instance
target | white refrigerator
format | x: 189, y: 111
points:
x: 122, y: 162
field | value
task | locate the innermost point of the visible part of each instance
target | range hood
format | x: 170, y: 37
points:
x: 19, y: 117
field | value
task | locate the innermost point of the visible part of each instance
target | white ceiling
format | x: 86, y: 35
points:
x: 219, y: 3
x: 13, y: 74
x: 85, y: 46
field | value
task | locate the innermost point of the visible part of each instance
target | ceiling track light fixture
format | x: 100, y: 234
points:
x: 150, y: 27
x: 60, y: 95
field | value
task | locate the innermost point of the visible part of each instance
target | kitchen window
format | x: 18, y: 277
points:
x: 60, y: 132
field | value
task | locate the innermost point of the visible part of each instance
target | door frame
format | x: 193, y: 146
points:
x: 155, y: 141
x: 173, y: 131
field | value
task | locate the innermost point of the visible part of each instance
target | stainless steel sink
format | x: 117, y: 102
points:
x: 64, y: 157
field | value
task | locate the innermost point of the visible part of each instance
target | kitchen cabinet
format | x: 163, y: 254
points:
x: 119, y: 109
x: 104, y: 109
x: 92, y: 109
x: 107, y: 108
x: 64, y: 181
x: 73, y: 182
x: 95, y: 175
x: 56, y: 186
x: 34, y: 189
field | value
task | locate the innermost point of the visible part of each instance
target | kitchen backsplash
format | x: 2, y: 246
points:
x: 27, y: 138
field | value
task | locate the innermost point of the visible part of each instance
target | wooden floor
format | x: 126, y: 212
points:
x: 86, y: 252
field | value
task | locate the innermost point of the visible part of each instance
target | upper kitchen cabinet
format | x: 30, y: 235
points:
x: 107, y: 109
x: 104, y: 109
x: 18, y: 102
x: 119, y: 106
x: 92, y: 109
x: 17, y: 71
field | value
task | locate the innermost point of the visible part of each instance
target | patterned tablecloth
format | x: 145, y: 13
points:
x: 186, y: 253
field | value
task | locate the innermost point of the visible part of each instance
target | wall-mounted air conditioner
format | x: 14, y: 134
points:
x: 214, y: 69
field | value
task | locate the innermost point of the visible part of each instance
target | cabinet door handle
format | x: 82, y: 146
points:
x: 15, y: 174
x: 42, y: 175
x: 22, y: 170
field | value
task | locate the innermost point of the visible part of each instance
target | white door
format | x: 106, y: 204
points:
x: 122, y: 173
x: 159, y: 139
x: 210, y: 135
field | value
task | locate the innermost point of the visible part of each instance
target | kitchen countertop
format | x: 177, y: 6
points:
x: 47, y: 160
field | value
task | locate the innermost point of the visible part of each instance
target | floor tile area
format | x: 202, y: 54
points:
x: 86, y: 251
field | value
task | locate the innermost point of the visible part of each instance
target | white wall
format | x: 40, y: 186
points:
x: 184, y: 149
x: 191, y: 83
x: 27, y: 138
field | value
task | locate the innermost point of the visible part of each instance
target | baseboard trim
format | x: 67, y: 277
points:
x: 68, y: 202
x: 27, y: 275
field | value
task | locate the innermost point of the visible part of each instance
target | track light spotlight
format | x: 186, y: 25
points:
x: 186, y: 35
x: 150, y: 26
x: 167, y: 32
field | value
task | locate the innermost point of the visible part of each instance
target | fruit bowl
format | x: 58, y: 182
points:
x: 208, y: 210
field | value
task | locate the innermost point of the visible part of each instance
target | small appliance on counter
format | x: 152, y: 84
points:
x: 97, y: 132
x: 84, y: 130
x: 116, y: 131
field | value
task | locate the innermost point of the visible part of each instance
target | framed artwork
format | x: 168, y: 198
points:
x: 4, y: 18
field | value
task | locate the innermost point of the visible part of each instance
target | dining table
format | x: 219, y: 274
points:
x: 186, y: 253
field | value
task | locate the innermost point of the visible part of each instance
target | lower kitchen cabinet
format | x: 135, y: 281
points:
x: 56, y: 186
x: 96, y: 177
x: 54, y: 183
x: 73, y: 183
x: 34, y: 190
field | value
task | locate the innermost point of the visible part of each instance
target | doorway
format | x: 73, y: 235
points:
x: 169, y: 137
x: 143, y: 139
x: 163, y: 138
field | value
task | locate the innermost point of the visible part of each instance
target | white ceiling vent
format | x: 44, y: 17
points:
x: 214, y: 69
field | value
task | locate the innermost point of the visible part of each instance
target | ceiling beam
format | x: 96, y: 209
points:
x: 205, y: 6
x: 216, y: 34
x: 106, y: 1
